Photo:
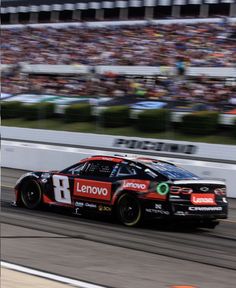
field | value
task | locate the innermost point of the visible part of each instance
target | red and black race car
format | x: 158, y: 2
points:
x: 132, y: 189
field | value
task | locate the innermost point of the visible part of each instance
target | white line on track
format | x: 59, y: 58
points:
x: 54, y: 277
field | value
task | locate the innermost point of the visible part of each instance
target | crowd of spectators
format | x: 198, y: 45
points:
x: 205, y: 44
x: 198, y: 90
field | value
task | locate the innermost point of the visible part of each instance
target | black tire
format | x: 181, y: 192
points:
x: 129, y: 211
x: 31, y: 194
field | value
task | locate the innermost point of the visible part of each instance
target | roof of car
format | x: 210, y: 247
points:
x: 104, y: 158
x: 152, y: 160
x: 119, y: 159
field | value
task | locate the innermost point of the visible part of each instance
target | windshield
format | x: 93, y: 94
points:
x: 171, y: 171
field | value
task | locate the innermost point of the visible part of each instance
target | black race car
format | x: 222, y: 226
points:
x: 132, y: 189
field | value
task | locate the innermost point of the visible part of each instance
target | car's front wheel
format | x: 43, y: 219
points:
x: 31, y: 194
x: 129, y: 210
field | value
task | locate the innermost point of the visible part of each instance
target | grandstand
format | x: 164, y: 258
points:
x: 145, y: 44
x: 37, y: 11
x: 173, y: 59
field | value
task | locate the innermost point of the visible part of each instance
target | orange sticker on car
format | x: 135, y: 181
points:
x: 92, y: 189
x: 203, y: 199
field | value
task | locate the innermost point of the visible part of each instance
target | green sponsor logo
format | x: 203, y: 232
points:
x: 162, y: 188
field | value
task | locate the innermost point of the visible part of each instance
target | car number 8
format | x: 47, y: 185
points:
x: 61, y: 189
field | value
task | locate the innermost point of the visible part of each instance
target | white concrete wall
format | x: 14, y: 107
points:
x: 126, y: 70
x: 29, y: 156
x: 124, y: 143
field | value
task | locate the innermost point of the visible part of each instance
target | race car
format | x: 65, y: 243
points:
x: 131, y: 189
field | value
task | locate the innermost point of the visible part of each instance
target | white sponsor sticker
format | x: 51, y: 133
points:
x: 91, y: 190
x: 205, y: 208
x: 135, y: 186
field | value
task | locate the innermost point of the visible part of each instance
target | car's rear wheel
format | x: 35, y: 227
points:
x: 129, y: 210
x: 31, y: 194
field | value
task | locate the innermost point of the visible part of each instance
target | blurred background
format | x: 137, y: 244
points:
x: 162, y: 69
x: 116, y: 66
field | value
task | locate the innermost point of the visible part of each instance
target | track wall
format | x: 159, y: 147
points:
x: 31, y: 149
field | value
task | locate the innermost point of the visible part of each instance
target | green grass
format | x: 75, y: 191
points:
x: 224, y: 137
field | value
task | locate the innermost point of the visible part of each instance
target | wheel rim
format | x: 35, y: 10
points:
x: 31, y: 195
x: 129, y: 210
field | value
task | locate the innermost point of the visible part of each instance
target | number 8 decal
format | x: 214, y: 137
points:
x: 61, y: 189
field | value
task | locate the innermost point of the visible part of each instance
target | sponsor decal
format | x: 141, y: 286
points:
x: 205, y: 208
x: 79, y: 204
x: 92, y: 189
x: 155, y: 146
x: 90, y: 205
x: 155, y: 211
x: 77, y: 211
x: 45, y: 177
x: 136, y: 185
x: 158, y: 206
x: 203, y: 199
x: 102, y: 208
x: 180, y: 213
x: 204, y: 189
x: 163, y: 188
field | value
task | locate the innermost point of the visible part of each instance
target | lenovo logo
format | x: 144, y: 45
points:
x: 92, y: 189
x: 203, y: 199
x: 136, y: 185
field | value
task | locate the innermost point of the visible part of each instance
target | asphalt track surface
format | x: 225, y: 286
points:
x: 106, y: 253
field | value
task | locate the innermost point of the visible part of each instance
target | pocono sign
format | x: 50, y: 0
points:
x: 154, y: 146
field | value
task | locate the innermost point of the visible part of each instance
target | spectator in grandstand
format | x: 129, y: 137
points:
x: 202, y: 44
x: 214, y: 93
x: 180, y: 66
